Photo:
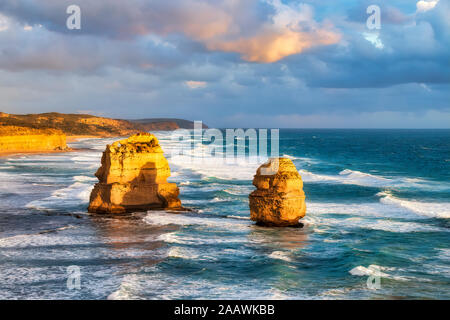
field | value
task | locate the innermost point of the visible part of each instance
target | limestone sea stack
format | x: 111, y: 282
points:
x: 279, y: 199
x: 133, y: 177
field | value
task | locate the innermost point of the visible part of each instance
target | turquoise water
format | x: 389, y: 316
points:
x: 378, y: 200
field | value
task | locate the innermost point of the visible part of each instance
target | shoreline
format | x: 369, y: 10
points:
x: 5, y: 154
x: 70, y: 139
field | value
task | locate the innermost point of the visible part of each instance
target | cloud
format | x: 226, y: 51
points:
x: 374, y: 39
x: 195, y: 84
x: 414, y: 49
x: 291, y: 30
x: 423, y: 6
x: 260, y: 31
x: 212, y: 60
x: 366, y: 120
x: 4, y: 23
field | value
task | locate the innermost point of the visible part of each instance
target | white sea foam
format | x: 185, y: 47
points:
x: 189, y: 254
x: 218, y: 199
x: 281, y: 255
x: 167, y: 286
x: 74, y: 195
x: 428, y: 209
x: 338, y: 293
x: 211, y: 239
x: 239, y: 190
x: 302, y: 159
x: 371, y: 270
x: 369, y: 180
x: 123, y: 293
x: 78, y: 191
x: 238, y: 217
x: 388, y: 207
x: 13, y: 183
x: 183, y: 253
x: 289, y: 157
x: 240, y: 169
x: 161, y: 218
x: 380, y: 224
x: 369, y: 209
x: 380, y: 271
x: 41, y: 239
x: 84, y: 178
x: 87, y: 159
x: 365, y: 216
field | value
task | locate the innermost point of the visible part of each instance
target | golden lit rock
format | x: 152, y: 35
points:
x: 19, y: 139
x: 133, y: 177
x: 279, y: 199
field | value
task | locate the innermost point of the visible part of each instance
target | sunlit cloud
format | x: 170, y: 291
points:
x: 274, y: 45
x: 195, y: 84
x: 285, y: 35
x: 423, y: 5
x: 263, y: 31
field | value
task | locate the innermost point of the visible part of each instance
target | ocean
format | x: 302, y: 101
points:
x: 378, y: 205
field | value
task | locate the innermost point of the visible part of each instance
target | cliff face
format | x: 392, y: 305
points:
x: 133, y: 177
x: 279, y: 199
x: 17, y: 139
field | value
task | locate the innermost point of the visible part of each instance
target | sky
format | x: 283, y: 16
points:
x: 231, y: 63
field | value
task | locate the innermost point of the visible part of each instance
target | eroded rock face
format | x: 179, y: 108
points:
x: 279, y: 199
x: 19, y: 139
x: 133, y: 177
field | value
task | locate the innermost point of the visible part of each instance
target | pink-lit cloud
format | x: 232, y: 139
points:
x: 290, y: 30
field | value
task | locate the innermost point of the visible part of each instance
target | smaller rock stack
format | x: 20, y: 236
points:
x: 133, y: 177
x: 279, y: 199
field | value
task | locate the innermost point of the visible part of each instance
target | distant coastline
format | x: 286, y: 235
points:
x: 50, y: 132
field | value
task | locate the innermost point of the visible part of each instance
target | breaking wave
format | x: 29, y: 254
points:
x: 428, y: 209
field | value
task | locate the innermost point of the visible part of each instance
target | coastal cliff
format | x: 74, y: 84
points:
x: 47, y: 131
x: 133, y: 177
x: 83, y: 124
x: 279, y: 199
x: 18, y: 139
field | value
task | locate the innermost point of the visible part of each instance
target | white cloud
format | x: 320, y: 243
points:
x: 425, y: 5
x: 427, y: 88
x: 195, y: 84
x: 4, y: 23
x: 374, y: 38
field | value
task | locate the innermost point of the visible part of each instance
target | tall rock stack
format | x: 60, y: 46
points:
x: 133, y: 177
x: 279, y: 199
